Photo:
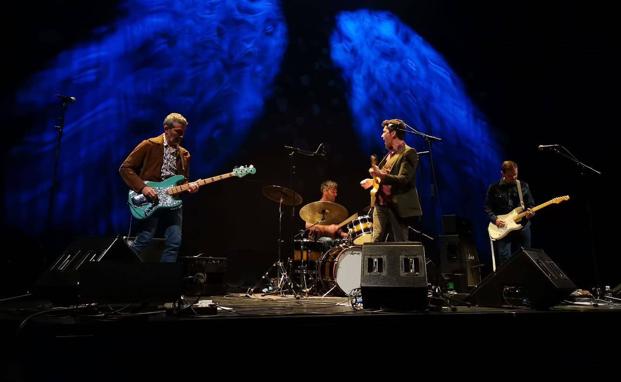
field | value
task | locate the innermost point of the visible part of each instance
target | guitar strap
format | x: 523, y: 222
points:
x: 519, y: 189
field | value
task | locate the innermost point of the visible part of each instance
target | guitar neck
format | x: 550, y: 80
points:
x: 519, y: 216
x: 201, y: 182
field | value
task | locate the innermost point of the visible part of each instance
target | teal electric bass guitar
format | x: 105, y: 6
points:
x: 168, y: 192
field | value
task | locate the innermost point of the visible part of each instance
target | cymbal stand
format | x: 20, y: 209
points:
x: 283, y: 282
x: 328, y: 292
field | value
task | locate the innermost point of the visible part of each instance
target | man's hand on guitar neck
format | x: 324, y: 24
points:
x: 192, y: 187
x: 529, y: 213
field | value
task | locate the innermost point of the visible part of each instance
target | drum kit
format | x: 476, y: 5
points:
x: 318, y: 265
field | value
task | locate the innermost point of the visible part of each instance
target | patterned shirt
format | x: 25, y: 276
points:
x: 169, y: 166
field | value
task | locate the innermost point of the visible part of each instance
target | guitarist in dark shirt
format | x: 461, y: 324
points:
x: 156, y: 159
x: 502, y: 197
x: 396, y: 201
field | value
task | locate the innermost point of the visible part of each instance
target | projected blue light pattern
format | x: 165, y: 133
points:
x: 213, y: 61
x: 393, y: 73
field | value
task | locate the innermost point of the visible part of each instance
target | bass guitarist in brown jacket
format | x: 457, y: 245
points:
x: 156, y: 159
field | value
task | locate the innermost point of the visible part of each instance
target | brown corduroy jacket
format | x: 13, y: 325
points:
x: 145, y: 163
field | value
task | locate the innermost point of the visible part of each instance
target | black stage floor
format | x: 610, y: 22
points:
x: 117, y: 342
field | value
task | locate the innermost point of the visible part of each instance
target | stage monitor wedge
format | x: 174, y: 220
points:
x: 529, y: 278
x: 394, y: 276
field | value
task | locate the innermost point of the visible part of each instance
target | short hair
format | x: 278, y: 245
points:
x: 174, y: 117
x: 507, y: 165
x: 396, y: 125
x: 328, y: 184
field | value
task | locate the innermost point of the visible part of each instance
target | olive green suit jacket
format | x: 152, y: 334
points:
x: 402, y: 179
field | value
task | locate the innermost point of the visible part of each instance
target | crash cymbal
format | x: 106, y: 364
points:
x: 323, y: 213
x: 276, y: 193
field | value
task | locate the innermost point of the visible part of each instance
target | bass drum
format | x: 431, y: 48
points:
x: 341, y: 267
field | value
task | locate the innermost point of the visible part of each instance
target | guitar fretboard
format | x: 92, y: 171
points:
x: 558, y: 200
x: 201, y: 182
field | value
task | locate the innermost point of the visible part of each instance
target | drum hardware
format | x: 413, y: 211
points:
x: 306, y: 254
x: 287, y: 197
x: 329, y: 291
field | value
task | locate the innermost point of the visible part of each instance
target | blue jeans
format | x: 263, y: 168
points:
x: 168, y: 219
x: 515, y: 241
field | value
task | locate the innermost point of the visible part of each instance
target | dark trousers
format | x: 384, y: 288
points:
x: 515, y: 241
x: 387, y: 226
x: 170, y: 221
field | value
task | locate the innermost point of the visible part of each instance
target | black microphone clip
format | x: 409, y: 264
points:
x: 66, y: 99
x: 548, y: 147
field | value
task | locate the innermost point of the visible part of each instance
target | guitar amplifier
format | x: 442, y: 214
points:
x: 204, y: 275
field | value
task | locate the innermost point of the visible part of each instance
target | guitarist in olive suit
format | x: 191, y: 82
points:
x: 503, y: 197
x: 396, y: 203
x: 156, y: 159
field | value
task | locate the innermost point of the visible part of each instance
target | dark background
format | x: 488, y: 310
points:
x: 541, y: 72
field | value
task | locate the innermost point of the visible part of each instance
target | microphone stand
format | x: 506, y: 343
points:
x: 59, y: 136
x: 421, y: 233
x: 296, y: 150
x: 428, y: 140
x: 568, y: 155
x: 584, y: 170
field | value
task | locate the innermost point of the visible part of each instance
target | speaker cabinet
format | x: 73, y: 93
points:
x: 60, y: 282
x: 528, y: 278
x: 394, y: 276
x: 144, y: 283
x: 459, y: 263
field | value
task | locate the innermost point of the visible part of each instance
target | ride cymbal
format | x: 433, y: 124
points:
x: 277, y: 193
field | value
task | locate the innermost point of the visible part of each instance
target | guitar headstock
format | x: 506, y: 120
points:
x: 560, y: 199
x: 373, y: 160
x: 242, y: 171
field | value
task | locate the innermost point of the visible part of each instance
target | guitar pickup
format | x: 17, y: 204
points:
x: 139, y: 200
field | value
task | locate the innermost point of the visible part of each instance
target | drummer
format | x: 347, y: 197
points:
x: 327, y: 233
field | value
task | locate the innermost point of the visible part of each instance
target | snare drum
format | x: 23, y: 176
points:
x: 361, y: 230
x: 341, y: 266
x: 307, y: 251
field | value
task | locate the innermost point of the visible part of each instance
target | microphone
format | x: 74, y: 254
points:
x: 319, y: 152
x: 65, y: 98
x: 546, y: 147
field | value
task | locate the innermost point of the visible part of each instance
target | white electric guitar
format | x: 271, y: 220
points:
x: 512, y: 219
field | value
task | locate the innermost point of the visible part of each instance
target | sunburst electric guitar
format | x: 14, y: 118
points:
x: 168, y: 192
x: 376, y: 183
x: 513, y: 218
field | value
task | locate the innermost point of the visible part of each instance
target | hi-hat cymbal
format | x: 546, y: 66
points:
x: 278, y: 193
x: 323, y: 213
